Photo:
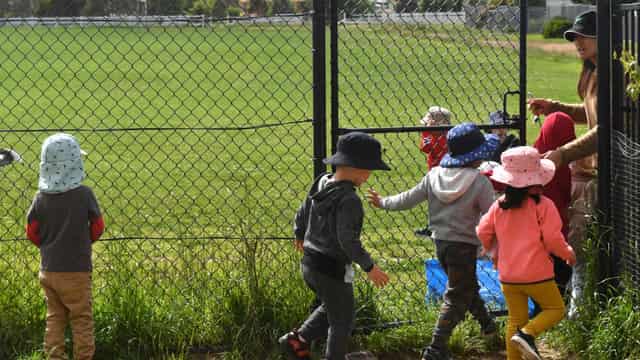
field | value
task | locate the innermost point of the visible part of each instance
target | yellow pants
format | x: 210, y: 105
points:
x: 68, y: 298
x: 516, y: 296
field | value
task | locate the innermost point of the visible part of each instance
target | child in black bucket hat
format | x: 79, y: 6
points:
x: 455, y: 190
x: 328, y: 224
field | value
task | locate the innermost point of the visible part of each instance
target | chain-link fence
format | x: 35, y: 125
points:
x: 201, y: 145
x: 625, y: 153
x: 391, y: 62
x: 199, y: 136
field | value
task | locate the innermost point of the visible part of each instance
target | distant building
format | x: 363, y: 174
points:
x: 566, y: 8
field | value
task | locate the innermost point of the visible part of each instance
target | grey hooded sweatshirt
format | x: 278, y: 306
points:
x: 457, y: 197
x: 330, y: 222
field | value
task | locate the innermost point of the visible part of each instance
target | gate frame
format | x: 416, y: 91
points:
x: 519, y: 121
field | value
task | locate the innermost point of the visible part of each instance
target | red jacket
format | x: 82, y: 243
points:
x: 435, y: 146
x: 557, y: 130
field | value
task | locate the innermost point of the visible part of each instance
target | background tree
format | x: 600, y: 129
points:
x: 165, y: 7
x: 302, y: 6
x: 93, y: 8
x: 219, y: 9
x: 355, y: 7
x: 281, y: 7
x: 406, y: 6
x: 439, y: 5
x: 257, y: 7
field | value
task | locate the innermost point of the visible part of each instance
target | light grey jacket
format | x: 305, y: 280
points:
x: 457, y: 197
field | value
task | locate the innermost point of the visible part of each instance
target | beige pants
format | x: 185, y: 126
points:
x: 68, y: 296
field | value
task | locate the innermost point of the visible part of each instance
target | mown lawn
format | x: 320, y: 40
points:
x: 200, y: 150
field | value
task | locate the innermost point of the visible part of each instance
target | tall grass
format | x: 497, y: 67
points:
x: 607, y: 325
x: 217, y: 279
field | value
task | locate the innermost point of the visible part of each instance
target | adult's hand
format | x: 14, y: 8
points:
x: 555, y: 156
x: 540, y: 106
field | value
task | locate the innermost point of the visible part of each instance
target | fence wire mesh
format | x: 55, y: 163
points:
x: 200, y: 143
x: 625, y: 152
x: 395, y: 60
x: 396, y: 63
x: 199, y: 136
x: 626, y: 195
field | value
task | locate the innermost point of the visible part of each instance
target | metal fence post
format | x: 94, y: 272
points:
x: 617, y: 114
x: 524, y: 26
x: 604, y: 135
x: 319, y: 88
x: 334, y: 74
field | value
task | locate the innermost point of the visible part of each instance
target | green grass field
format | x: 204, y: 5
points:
x: 196, y: 213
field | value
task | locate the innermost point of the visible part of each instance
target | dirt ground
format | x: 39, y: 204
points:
x: 553, y: 48
x: 546, y: 352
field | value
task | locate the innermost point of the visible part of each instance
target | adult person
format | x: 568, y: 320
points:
x: 581, y: 152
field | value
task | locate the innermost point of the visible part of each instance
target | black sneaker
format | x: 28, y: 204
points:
x: 432, y: 353
x: 490, y: 330
x: 527, y: 345
x: 295, y: 348
x: 423, y: 232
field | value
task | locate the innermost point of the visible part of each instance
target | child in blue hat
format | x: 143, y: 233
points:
x: 458, y: 196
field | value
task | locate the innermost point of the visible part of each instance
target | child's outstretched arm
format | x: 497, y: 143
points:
x: 403, y: 201
x: 551, y: 227
x: 349, y: 218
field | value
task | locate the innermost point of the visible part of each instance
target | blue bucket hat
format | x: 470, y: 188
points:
x: 466, y: 144
x: 61, y: 167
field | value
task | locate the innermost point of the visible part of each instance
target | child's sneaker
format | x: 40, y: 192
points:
x: 527, y: 345
x: 360, y: 355
x: 423, y: 232
x: 295, y: 348
x: 489, y: 330
x: 432, y: 353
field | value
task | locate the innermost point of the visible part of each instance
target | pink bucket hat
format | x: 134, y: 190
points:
x: 522, y: 167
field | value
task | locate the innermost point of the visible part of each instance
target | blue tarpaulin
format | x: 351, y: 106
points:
x: 490, y: 290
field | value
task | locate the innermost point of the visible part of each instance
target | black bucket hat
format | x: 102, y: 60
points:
x: 358, y: 150
x: 584, y: 25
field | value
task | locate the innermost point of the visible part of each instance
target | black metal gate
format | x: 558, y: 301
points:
x: 619, y: 139
x: 386, y: 68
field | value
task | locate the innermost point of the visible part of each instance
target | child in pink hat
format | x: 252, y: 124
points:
x: 521, y: 228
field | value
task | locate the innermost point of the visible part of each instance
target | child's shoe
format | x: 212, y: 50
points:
x: 489, y: 330
x: 527, y: 345
x: 432, y: 353
x: 423, y: 232
x: 295, y: 348
x: 360, y: 355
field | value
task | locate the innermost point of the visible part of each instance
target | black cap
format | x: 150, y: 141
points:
x: 584, y: 25
x: 358, y: 150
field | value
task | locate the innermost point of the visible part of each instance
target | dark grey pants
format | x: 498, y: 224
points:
x: 459, y: 263
x: 336, y: 313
